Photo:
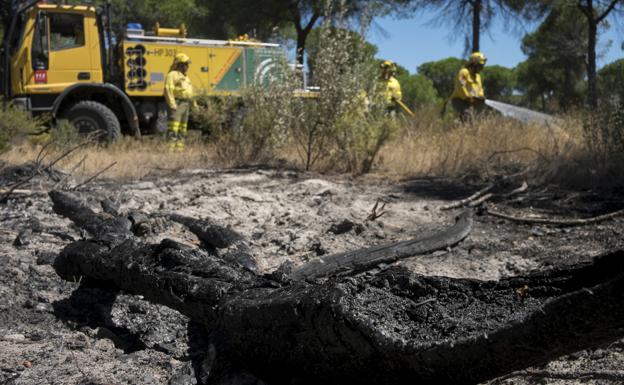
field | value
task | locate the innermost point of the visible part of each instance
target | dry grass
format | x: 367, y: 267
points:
x: 135, y: 159
x: 493, y: 144
x: 427, y: 146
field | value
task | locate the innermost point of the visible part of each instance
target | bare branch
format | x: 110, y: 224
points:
x: 95, y: 176
x: 552, y: 221
x: 471, y: 198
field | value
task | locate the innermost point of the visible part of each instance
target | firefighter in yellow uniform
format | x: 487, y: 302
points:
x: 179, y: 97
x: 469, y: 96
x: 390, y: 87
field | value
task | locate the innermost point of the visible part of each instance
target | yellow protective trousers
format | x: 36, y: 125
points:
x: 178, y: 124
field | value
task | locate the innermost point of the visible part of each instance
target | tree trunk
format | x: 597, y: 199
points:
x: 594, y: 18
x: 302, y: 36
x: 476, y: 25
x: 394, y: 327
x: 302, y: 31
x: 592, y: 95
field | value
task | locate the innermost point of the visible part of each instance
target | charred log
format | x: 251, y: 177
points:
x: 231, y: 245
x: 107, y: 228
x: 395, y: 327
x: 353, y: 262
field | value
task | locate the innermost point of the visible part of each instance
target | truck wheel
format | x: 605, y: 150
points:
x: 93, y: 118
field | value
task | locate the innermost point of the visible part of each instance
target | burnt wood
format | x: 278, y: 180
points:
x: 357, y: 261
x: 393, y: 327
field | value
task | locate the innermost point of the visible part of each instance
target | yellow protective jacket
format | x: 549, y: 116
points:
x: 391, y: 90
x: 467, y: 86
x: 177, y: 87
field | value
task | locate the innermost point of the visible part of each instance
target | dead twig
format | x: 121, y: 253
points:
x: 502, y: 152
x: 481, y: 200
x: 39, y: 170
x: 523, y: 188
x: 70, y: 173
x: 16, y: 186
x: 377, y: 211
x: 42, y: 154
x: 67, y: 153
x: 18, y: 191
x: 478, y: 198
x: 94, y: 176
x: 471, y: 198
x: 421, y: 303
x: 552, y: 221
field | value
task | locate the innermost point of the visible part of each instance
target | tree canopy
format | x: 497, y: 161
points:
x: 611, y: 82
x: 442, y: 73
x: 555, y: 67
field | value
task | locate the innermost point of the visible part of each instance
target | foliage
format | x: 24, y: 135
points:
x: 418, y: 90
x: 251, y: 131
x: 554, y: 71
x: 343, y: 129
x: 611, y: 82
x: 215, y: 113
x: 604, y: 131
x: 442, y: 73
x: 352, y: 41
x: 262, y: 19
x: 169, y: 13
x: 595, y: 12
x: 499, y: 82
x: 64, y: 135
x: 14, y: 124
x: 338, y: 125
x: 469, y: 18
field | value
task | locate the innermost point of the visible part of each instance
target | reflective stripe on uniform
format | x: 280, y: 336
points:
x: 174, y: 126
x: 183, y: 128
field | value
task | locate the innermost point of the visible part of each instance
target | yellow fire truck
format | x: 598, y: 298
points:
x: 66, y: 61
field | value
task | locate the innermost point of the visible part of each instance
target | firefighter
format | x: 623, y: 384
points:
x: 389, y: 86
x: 179, y: 97
x: 469, y: 96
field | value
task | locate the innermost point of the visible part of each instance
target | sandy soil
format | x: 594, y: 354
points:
x: 52, y: 334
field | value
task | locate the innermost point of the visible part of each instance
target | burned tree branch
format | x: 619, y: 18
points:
x: 553, y: 221
x: 470, y: 199
x: 377, y: 212
x: 480, y: 196
x: 390, y: 328
x: 231, y: 245
x: 102, y: 171
x: 108, y: 228
x: 353, y: 262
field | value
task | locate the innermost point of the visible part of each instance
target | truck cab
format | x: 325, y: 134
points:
x: 56, y: 61
x: 60, y: 47
x: 66, y: 62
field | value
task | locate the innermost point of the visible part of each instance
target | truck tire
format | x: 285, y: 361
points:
x: 93, y: 118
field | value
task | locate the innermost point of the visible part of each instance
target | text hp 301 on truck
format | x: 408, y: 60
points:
x: 66, y: 61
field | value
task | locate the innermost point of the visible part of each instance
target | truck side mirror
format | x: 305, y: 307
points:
x: 40, y: 53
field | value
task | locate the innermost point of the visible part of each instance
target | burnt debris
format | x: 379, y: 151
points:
x: 392, y: 327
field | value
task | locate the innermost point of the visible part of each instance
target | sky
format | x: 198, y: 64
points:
x: 411, y: 42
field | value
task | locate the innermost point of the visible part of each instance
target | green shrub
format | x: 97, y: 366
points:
x: 64, y: 135
x: 213, y: 114
x: 346, y: 126
x: 252, y: 129
x: 14, y: 125
x: 342, y: 129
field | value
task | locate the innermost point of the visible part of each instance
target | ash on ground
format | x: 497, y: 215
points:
x: 52, y: 332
